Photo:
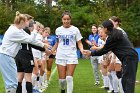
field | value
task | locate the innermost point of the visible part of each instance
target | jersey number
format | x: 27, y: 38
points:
x: 66, y: 41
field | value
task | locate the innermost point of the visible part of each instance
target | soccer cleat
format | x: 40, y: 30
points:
x: 97, y: 83
x: 102, y: 87
x: 106, y: 88
x: 111, y: 91
x: 62, y: 91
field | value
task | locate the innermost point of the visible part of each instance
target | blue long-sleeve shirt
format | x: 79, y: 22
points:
x: 92, y: 37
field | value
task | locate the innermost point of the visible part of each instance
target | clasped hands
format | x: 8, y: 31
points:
x: 86, y: 53
x: 48, y: 50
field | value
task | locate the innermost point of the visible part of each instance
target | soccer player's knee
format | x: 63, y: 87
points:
x: 10, y: 90
x: 69, y: 78
x: 39, y: 66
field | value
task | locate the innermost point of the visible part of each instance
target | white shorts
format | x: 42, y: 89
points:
x: 64, y: 62
x: 36, y: 53
x: 118, y: 61
x: 43, y: 55
x: 100, y: 59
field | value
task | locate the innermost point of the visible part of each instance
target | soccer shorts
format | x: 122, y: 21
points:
x: 64, y: 62
x: 24, y: 64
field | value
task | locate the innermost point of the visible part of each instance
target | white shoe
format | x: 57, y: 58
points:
x: 102, y: 87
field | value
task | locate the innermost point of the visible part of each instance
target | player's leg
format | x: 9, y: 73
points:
x: 69, y: 77
x: 28, y: 79
x: 61, y: 66
x: 20, y: 72
x: 20, y: 78
x: 49, y: 66
x: 105, y: 77
x: 115, y: 81
x: 35, y: 72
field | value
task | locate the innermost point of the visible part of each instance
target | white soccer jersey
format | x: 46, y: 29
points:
x: 67, y: 38
x: 100, y: 42
x: 37, y: 53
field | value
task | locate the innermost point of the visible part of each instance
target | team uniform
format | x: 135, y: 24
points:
x: 8, y: 50
x: 66, y: 51
x: 37, y: 53
x: 52, y: 41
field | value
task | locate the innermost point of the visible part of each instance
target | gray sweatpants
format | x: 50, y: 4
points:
x: 94, y: 64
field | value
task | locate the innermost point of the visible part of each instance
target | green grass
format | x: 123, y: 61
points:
x: 83, y: 80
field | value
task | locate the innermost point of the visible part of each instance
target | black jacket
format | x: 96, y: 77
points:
x: 119, y: 45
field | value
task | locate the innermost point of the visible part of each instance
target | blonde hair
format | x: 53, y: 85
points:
x: 39, y: 24
x: 19, y: 17
x: 29, y: 17
x: 47, y: 29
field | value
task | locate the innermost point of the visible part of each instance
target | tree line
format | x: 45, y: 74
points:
x: 84, y: 14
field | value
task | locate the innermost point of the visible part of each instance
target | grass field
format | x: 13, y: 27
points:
x: 83, y: 80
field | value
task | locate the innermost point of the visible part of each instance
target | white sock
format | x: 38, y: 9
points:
x: 41, y: 79
x: 45, y: 76
x: 34, y: 78
x: 115, y: 81
x: 10, y: 90
x: 69, y: 80
x: 62, y: 83
x: 106, y: 81
x: 120, y: 85
x: 110, y: 83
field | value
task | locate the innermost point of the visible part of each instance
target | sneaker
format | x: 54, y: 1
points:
x: 34, y: 90
x: 102, y: 87
x: 37, y: 91
x: 97, y: 83
x: 62, y: 91
x: 110, y: 91
x: 106, y: 88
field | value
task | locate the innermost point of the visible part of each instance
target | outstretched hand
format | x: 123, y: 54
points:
x: 86, y: 53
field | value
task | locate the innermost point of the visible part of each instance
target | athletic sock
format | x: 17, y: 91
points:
x: 115, y: 81
x: 11, y: 90
x: 69, y: 80
x: 62, y: 83
x: 29, y: 87
x: 19, y: 88
x: 34, y: 78
x: 106, y: 81
x: 120, y: 85
x: 40, y: 80
x: 48, y: 75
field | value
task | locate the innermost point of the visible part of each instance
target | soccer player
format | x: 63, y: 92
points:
x: 13, y: 37
x: 123, y: 49
x: 117, y: 23
x: 66, y: 57
x: 51, y: 41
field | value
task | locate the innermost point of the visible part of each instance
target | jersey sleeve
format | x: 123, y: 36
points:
x: 78, y: 35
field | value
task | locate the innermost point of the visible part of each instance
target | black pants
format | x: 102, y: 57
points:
x: 130, y: 65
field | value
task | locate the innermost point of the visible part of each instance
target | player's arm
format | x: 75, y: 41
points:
x: 88, y: 42
x: 55, y: 46
x: 96, y: 47
x: 80, y: 46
